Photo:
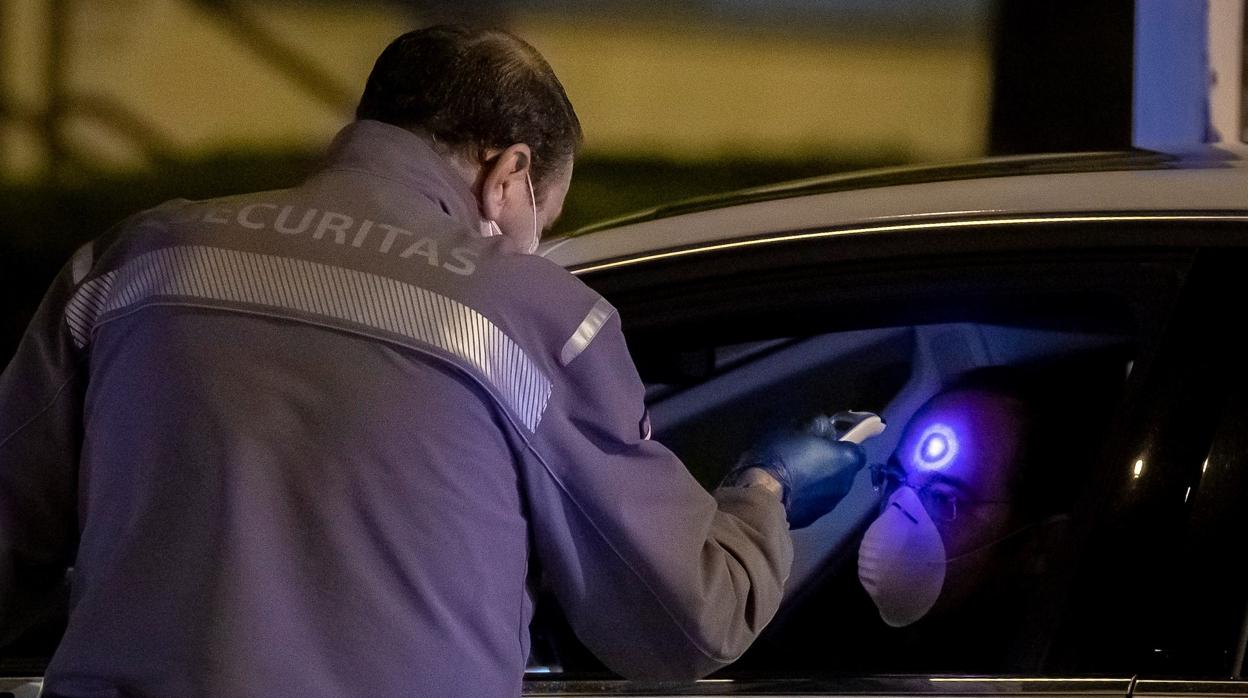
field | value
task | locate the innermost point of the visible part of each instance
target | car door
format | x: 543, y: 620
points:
x: 1179, y: 621
x: 1123, y: 327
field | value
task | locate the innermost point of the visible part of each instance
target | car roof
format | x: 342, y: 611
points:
x: 1128, y: 183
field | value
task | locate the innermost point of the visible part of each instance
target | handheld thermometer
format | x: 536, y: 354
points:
x: 854, y: 427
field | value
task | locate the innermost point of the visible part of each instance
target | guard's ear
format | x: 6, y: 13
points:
x: 504, y: 179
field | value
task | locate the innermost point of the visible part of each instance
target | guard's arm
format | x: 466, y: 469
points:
x: 659, y: 578
x: 41, y: 393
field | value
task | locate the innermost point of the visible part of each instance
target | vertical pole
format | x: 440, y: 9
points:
x: 1226, y: 66
x: 1062, y: 76
x: 54, y: 110
x: 1171, y: 101
x: 6, y: 117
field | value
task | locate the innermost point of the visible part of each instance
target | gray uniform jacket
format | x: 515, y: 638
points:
x: 314, y: 441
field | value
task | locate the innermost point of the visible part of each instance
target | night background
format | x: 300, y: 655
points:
x: 110, y: 108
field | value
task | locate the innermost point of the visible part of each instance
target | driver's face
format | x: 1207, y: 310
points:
x: 959, y: 453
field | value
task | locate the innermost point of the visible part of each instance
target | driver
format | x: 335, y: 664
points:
x: 948, y: 499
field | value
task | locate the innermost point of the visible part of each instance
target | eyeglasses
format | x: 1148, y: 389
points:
x: 941, y: 504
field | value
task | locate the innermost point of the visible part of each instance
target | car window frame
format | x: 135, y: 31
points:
x: 1158, y: 240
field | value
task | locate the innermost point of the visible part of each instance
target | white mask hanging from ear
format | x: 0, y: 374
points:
x: 537, y: 233
x: 489, y: 227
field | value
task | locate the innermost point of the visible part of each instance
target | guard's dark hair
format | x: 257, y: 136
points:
x: 472, y: 89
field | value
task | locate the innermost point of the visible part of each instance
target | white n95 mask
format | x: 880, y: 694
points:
x: 901, y: 562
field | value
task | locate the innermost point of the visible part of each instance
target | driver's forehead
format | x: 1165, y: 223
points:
x: 969, y: 439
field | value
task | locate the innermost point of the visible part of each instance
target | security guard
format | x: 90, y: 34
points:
x: 306, y: 442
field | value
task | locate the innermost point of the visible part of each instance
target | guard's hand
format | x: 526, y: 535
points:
x: 816, y: 472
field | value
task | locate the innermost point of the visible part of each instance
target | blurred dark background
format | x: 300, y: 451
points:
x: 109, y: 108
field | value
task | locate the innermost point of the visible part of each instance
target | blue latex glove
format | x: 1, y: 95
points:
x: 815, y: 472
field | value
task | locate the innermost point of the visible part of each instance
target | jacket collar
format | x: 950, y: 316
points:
x: 396, y: 154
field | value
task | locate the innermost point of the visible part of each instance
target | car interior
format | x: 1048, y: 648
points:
x: 709, y: 404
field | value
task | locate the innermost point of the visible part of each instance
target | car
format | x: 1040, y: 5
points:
x: 1107, y: 283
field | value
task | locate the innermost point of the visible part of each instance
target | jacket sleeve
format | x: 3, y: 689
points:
x: 660, y: 579
x: 41, y: 393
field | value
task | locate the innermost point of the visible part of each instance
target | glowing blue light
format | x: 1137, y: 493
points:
x: 936, y: 448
